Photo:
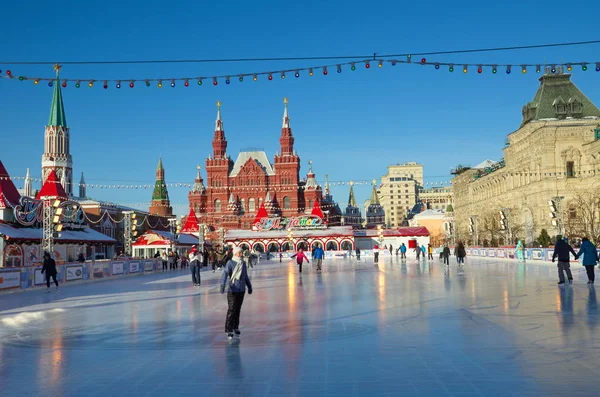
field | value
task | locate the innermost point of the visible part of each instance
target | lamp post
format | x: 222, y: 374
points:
x: 556, y: 213
x: 201, y: 237
x: 51, y: 223
x: 380, y: 234
x: 291, y: 237
x: 129, y: 230
x: 174, y: 230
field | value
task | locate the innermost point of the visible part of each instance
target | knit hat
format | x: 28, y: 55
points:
x: 236, y: 250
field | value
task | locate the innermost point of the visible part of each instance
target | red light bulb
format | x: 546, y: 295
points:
x: 270, y: 76
x: 367, y: 65
x: 131, y: 85
x: 9, y: 73
x: 423, y: 60
x: 64, y: 85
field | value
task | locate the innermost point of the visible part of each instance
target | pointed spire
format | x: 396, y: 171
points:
x: 199, y: 182
x: 311, y: 182
x: 286, y: 117
x: 27, y: 189
x: 218, y: 122
x: 160, y: 164
x: 327, y: 188
x: 374, y: 198
x: 82, y: 189
x: 268, y: 197
x: 231, y: 198
x: 351, y: 199
x: 57, y: 110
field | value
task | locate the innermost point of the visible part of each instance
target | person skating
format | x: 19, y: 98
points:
x: 235, y: 274
x: 49, y: 268
x: 300, y: 257
x: 460, y: 253
x: 418, y: 252
x: 423, y: 251
x: 429, y: 252
x: 212, y: 259
x: 376, y: 254
x: 164, y: 258
x: 562, y: 250
x: 446, y: 255
x: 357, y: 251
x: 403, y: 251
x: 195, y: 266
x: 590, y: 258
x: 318, y: 255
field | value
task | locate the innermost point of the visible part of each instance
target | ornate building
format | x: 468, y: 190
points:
x: 352, y: 216
x: 375, y: 211
x: 57, y: 145
x: 235, y: 191
x: 161, y: 205
x: 549, y: 162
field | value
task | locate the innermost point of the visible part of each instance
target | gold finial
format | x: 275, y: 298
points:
x: 285, y: 101
x: 351, y: 183
x: 57, y: 68
x: 219, y: 104
x: 198, y: 167
x: 374, y: 182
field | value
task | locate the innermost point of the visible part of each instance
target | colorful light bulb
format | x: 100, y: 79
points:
x: 8, y: 73
x: 508, y: 69
x: 21, y: 78
x: 367, y: 65
x: 147, y: 83
x: 77, y: 84
x: 255, y: 77
x: 537, y: 68
x: 523, y: 69
x: 105, y: 86
x: 310, y: 72
x: 215, y: 81
x: 159, y: 84
x: 118, y: 84
x: 131, y: 84
x: 339, y: 68
x: 437, y: 66
x: 64, y: 84
x: 569, y: 67
x: 423, y: 61
x: 352, y: 66
x: 186, y: 83
x: 172, y: 83
x: 36, y: 81
x: 283, y: 75
x: 325, y: 70
x: 584, y: 67
x: 270, y: 76
x: 227, y: 80
x: 241, y: 79
x: 50, y: 84
x: 297, y: 74
x: 91, y: 83
x: 199, y: 81
x: 451, y: 68
x: 465, y: 68
x: 479, y: 69
x: 380, y: 64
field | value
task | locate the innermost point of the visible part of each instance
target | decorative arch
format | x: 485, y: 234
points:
x: 286, y: 203
x: 347, y: 245
x: 260, y: 247
x: 302, y: 245
x: 273, y: 247
x: 314, y: 244
x: 287, y: 246
x: 332, y: 246
x: 217, y: 205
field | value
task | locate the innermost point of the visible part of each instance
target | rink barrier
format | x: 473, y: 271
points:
x: 530, y: 254
x: 31, y: 276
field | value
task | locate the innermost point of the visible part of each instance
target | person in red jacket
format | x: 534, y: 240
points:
x: 300, y: 257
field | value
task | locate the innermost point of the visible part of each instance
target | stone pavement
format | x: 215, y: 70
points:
x: 493, y: 328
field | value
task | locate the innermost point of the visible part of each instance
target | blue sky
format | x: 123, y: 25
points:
x: 352, y: 125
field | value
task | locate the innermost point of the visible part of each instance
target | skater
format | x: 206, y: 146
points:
x: 590, y: 258
x: 164, y: 259
x: 212, y: 259
x: 49, y: 268
x: 318, y: 254
x: 446, y: 255
x: 300, y: 256
x: 520, y: 251
x: 376, y: 254
x: 235, y: 273
x: 403, y: 251
x: 195, y: 267
x: 423, y: 251
x: 460, y: 252
x: 391, y: 249
x: 429, y: 252
x: 357, y: 251
x: 418, y: 252
x: 562, y: 250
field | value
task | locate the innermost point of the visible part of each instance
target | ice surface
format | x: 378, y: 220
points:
x: 494, y: 328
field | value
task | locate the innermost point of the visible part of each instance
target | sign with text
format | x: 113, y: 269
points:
x: 134, y: 267
x: 39, y: 278
x: 117, y: 268
x: 30, y: 211
x: 98, y: 270
x: 149, y: 266
x: 74, y: 272
x: 301, y: 222
x: 10, y: 279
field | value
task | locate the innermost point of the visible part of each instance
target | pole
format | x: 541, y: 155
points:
x: 48, y: 227
x: 201, y: 237
x: 127, y: 231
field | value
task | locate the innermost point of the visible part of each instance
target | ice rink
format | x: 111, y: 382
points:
x: 494, y: 328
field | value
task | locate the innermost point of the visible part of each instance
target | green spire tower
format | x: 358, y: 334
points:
x: 161, y: 205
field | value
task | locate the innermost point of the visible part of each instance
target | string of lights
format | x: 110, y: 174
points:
x: 296, y: 72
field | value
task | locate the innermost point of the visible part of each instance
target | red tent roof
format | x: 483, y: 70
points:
x: 262, y: 213
x: 316, y: 210
x: 52, y: 188
x: 8, y: 192
x: 191, y: 223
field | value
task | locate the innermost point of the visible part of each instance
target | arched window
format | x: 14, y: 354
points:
x: 346, y: 245
x: 332, y: 246
x: 217, y: 205
x: 286, y: 203
x: 251, y: 205
x: 243, y: 205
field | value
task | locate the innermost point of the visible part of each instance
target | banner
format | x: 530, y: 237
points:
x: 134, y: 267
x: 38, y: 277
x: 149, y: 266
x: 10, y: 279
x: 117, y: 268
x: 98, y: 270
x: 537, y: 254
x: 74, y: 272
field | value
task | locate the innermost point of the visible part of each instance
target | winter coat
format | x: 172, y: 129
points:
x: 561, y: 250
x: 403, y: 249
x: 300, y: 256
x: 318, y: 253
x: 49, y: 267
x: 446, y: 252
x: 239, y: 285
x: 590, y: 255
x: 460, y: 251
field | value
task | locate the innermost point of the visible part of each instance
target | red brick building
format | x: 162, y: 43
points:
x: 235, y: 191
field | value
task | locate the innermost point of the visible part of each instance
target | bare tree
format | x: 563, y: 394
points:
x: 581, y: 215
x: 490, y: 228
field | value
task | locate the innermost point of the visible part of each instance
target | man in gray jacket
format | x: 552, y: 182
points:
x: 235, y: 273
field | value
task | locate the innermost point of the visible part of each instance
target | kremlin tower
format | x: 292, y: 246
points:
x: 57, y: 145
x: 161, y: 205
x: 375, y: 212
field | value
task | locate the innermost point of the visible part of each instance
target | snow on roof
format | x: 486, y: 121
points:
x: 167, y: 237
x: 33, y: 234
x: 276, y: 234
x: 258, y: 156
x: 430, y: 214
x: 486, y: 164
